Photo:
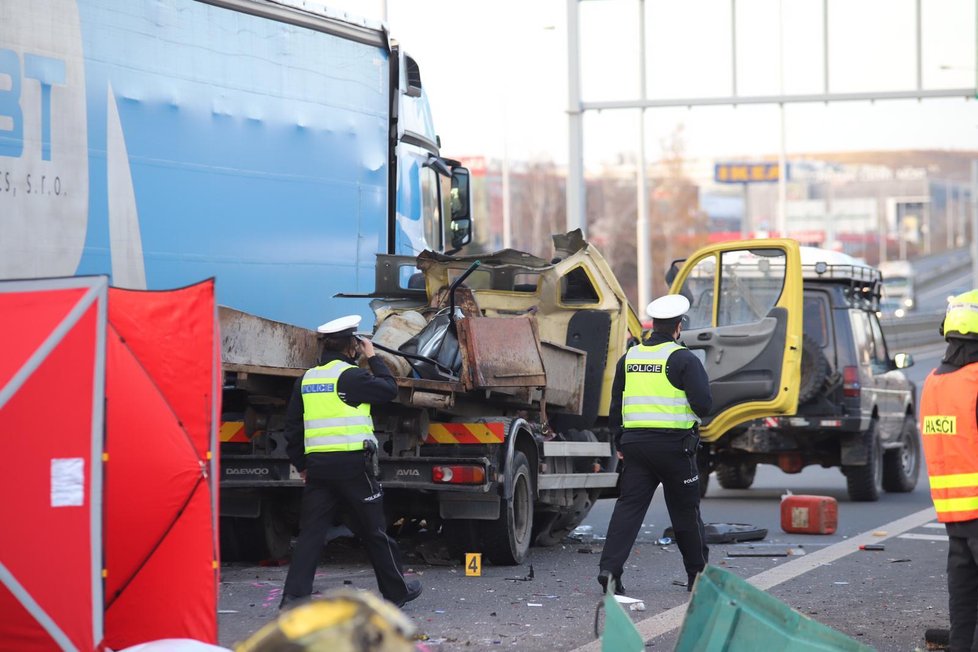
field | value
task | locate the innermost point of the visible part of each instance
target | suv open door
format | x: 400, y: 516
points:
x: 745, y: 324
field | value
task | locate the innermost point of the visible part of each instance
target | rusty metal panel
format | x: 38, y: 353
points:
x: 500, y: 352
x: 565, y: 377
x: 249, y: 342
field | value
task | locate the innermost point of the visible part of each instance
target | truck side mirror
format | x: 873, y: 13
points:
x: 461, y: 202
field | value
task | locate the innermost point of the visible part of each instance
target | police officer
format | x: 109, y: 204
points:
x: 949, y: 420
x: 660, y: 393
x: 330, y: 440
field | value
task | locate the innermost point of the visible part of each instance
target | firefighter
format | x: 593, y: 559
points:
x: 330, y: 441
x: 660, y: 394
x: 949, y: 423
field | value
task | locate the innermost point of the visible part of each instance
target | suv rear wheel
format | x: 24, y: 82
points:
x: 865, y: 481
x: 901, y: 466
x: 736, y: 476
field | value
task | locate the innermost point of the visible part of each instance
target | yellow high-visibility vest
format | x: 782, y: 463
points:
x: 330, y: 424
x: 649, y: 399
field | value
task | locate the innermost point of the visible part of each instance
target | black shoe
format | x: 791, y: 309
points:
x: 289, y: 600
x: 690, y: 580
x: 603, y: 578
x: 413, y: 591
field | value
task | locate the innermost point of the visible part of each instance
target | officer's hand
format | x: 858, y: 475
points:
x: 367, y: 348
x: 302, y: 474
x: 620, y: 456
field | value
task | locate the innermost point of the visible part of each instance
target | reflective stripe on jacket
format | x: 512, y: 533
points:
x: 330, y: 424
x: 950, y: 433
x: 649, y: 399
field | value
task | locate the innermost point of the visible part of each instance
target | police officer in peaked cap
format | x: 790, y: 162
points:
x: 659, y: 396
x: 330, y: 440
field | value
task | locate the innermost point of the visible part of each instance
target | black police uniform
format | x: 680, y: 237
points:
x: 962, y: 553
x: 343, y: 479
x: 659, y: 456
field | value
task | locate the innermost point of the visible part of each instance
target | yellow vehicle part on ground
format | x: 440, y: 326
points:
x: 343, y: 620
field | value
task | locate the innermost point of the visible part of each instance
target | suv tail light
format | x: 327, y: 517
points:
x: 458, y: 474
x: 850, y: 382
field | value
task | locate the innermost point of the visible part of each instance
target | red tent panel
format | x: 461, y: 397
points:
x: 29, y: 318
x: 160, y: 531
x: 47, y: 425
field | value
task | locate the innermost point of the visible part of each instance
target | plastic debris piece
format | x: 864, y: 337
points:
x: 664, y: 541
x: 526, y: 578
x: 840, y: 583
x: 637, y: 606
x: 897, y: 561
x: 880, y: 533
x: 726, y: 532
x: 534, y: 604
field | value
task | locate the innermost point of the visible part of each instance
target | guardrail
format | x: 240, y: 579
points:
x: 912, y: 331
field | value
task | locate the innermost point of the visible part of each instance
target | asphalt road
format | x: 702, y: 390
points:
x: 885, y: 599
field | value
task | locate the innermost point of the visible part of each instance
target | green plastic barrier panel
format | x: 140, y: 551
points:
x: 728, y: 614
x: 620, y: 633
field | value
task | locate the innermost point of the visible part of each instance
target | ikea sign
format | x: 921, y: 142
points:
x: 747, y: 172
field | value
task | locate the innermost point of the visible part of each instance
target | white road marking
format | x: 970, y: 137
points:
x: 936, y: 525
x: 673, y: 618
x: 924, y: 537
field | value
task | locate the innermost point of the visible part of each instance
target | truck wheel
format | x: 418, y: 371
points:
x: 563, y: 522
x: 736, y: 476
x: 865, y: 481
x: 901, y: 466
x: 814, y: 369
x: 255, y: 539
x: 507, y: 539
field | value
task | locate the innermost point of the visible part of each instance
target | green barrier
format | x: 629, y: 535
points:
x: 620, y: 634
x: 728, y: 614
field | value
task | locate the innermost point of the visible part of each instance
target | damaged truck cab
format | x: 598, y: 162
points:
x: 499, y: 432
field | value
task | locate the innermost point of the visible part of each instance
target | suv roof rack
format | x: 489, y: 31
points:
x: 865, y: 283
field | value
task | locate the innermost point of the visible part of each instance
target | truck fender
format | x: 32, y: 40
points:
x: 518, y: 437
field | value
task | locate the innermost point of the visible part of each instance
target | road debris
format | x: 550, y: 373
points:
x: 526, y: 578
x: 726, y: 532
x: 873, y: 546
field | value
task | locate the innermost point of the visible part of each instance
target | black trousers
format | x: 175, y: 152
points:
x: 342, y: 479
x: 962, y: 586
x: 647, y: 465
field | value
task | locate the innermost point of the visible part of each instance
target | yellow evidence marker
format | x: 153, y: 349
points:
x: 473, y: 564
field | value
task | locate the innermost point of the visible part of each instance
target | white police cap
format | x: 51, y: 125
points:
x: 341, y: 326
x: 670, y: 306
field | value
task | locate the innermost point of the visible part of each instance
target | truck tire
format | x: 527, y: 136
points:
x: 506, y: 541
x: 256, y: 539
x: 814, y: 369
x: 736, y: 476
x: 901, y: 466
x: 865, y: 481
x: 551, y: 528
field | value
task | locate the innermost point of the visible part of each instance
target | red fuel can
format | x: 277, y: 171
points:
x: 809, y: 514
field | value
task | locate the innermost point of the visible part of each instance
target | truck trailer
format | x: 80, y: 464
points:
x: 270, y: 144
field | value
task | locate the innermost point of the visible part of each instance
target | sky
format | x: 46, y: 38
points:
x: 496, y: 74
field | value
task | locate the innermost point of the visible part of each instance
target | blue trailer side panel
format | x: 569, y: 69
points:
x: 216, y: 143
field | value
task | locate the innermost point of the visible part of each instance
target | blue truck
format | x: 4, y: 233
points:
x: 273, y: 145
